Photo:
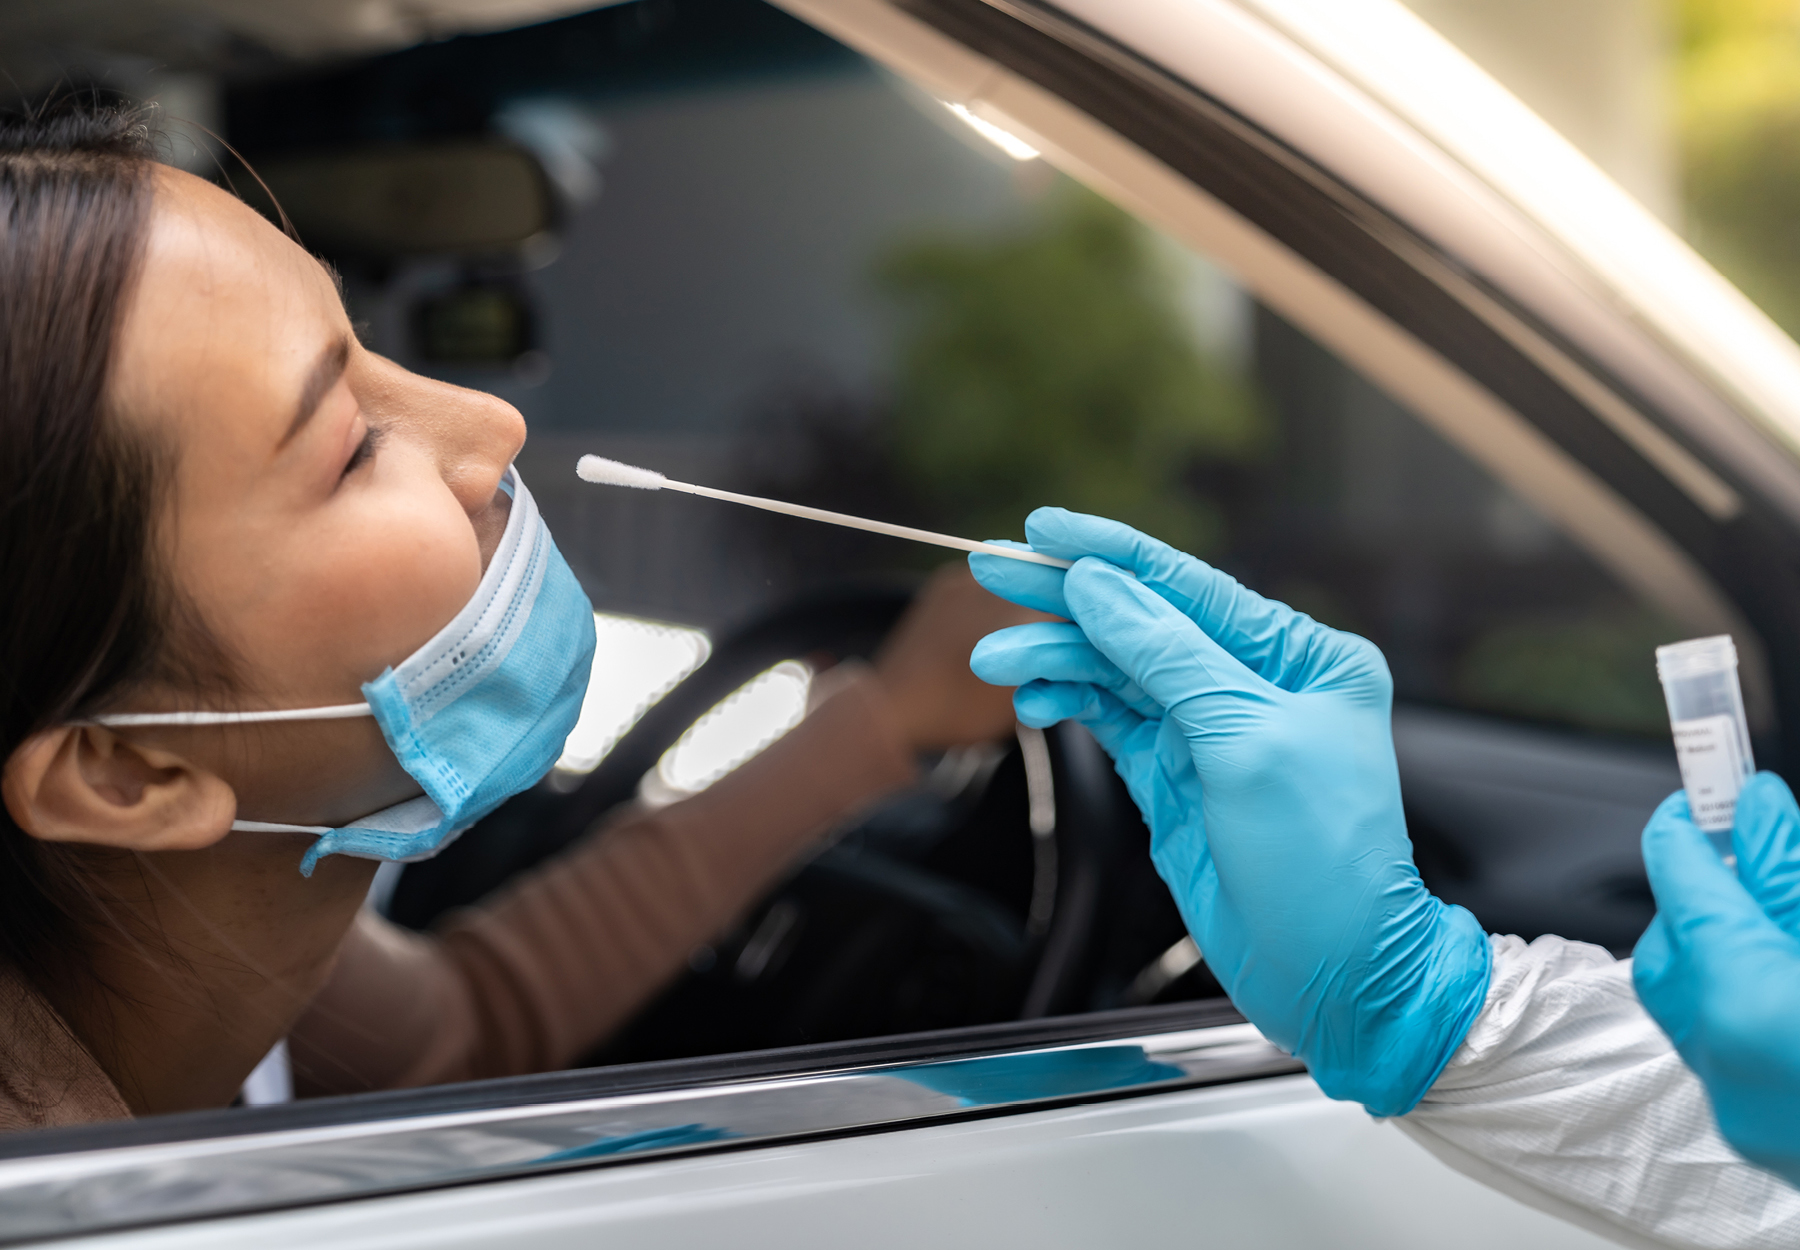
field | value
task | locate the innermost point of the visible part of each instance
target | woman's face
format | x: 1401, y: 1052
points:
x: 330, y: 511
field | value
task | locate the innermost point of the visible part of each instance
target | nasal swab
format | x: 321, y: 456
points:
x: 600, y: 470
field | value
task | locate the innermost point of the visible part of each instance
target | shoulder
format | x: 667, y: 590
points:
x: 47, y: 1077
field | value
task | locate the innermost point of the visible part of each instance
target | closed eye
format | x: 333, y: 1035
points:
x: 365, y: 450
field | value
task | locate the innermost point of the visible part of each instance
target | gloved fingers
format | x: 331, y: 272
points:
x: 1170, y: 658
x: 1698, y: 898
x: 1129, y: 739
x: 1657, y: 974
x: 1275, y: 642
x: 1055, y: 651
x: 1652, y: 956
x: 1034, y: 586
x: 1178, y: 846
x: 1114, y: 725
x: 1708, y: 935
x: 1766, y: 837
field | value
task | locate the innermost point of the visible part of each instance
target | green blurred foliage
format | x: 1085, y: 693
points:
x: 1595, y: 671
x: 1738, y: 115
x: 1055, y: 365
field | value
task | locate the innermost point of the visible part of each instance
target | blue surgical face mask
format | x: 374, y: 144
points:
x: 476, y: 715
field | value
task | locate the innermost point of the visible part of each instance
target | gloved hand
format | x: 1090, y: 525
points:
x: 1719, y: 967
x: 1258, y: 745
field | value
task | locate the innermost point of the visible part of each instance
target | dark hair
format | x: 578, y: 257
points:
x: 86, y: 612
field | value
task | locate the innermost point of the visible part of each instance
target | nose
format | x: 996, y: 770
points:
x: 486, y: 434
x: 473, y: 436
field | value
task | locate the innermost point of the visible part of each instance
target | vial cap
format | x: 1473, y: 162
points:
x: 1695, y: 657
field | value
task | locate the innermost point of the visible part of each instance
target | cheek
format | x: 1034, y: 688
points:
x: 395, y: 579
x: 338, y: 602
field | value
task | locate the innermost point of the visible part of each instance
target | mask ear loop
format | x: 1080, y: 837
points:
x: 127, y: 720
x: 339, y: 711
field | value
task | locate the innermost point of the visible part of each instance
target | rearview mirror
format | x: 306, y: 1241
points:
x: 461, y: 198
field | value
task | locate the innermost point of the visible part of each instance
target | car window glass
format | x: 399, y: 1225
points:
x: 779, y: 269
x: 702, y: 237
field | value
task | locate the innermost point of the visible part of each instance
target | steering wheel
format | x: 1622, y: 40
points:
x: 971, y: 898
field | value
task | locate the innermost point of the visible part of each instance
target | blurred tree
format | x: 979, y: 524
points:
x: 1056, y: 366
x: 1738, y: 94
x: 1591, y: 669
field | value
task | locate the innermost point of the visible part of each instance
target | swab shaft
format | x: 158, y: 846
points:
x: 863, y: 523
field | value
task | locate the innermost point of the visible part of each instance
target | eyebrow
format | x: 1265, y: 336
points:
x: 325, y: 374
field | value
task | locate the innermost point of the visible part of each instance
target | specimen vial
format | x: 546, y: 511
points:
x: 1712, y: 738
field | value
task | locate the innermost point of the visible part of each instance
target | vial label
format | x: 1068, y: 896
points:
x: 1712, y: 769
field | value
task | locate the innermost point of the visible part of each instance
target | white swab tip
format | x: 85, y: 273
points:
x: 604, y: 472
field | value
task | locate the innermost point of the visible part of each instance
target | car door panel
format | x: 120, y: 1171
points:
x: 1270, y: 1164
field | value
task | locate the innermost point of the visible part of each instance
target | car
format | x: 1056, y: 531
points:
x: 1433, y: 378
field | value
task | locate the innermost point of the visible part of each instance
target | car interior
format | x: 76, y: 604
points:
x: 704, y: 237
x: 718, y: 243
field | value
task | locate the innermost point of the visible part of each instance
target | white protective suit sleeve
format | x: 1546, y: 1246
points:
x: 1567, y: 1096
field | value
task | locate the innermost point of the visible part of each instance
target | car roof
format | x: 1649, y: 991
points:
x: 195, y: 34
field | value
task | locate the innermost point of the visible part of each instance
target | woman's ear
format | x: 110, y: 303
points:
x: 85, y: 783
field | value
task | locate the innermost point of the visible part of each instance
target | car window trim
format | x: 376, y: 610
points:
x: 214, y: 1165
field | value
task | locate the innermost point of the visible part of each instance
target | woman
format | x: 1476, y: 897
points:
x: 217, y: 501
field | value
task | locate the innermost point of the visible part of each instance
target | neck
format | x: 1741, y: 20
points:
x: 205, y: 960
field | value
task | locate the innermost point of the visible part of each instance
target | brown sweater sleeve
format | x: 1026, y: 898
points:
x: 538, y: 974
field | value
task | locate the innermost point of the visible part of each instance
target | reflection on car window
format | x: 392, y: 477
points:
x: 1370, y: 521
x: 635, y: 663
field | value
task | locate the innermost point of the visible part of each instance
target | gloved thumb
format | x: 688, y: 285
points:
x: 1766, y: 837
x: 1696, y: 894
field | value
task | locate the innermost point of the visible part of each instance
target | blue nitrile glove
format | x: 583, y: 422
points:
x: 1257, y: 743
x: 1719, y: 967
